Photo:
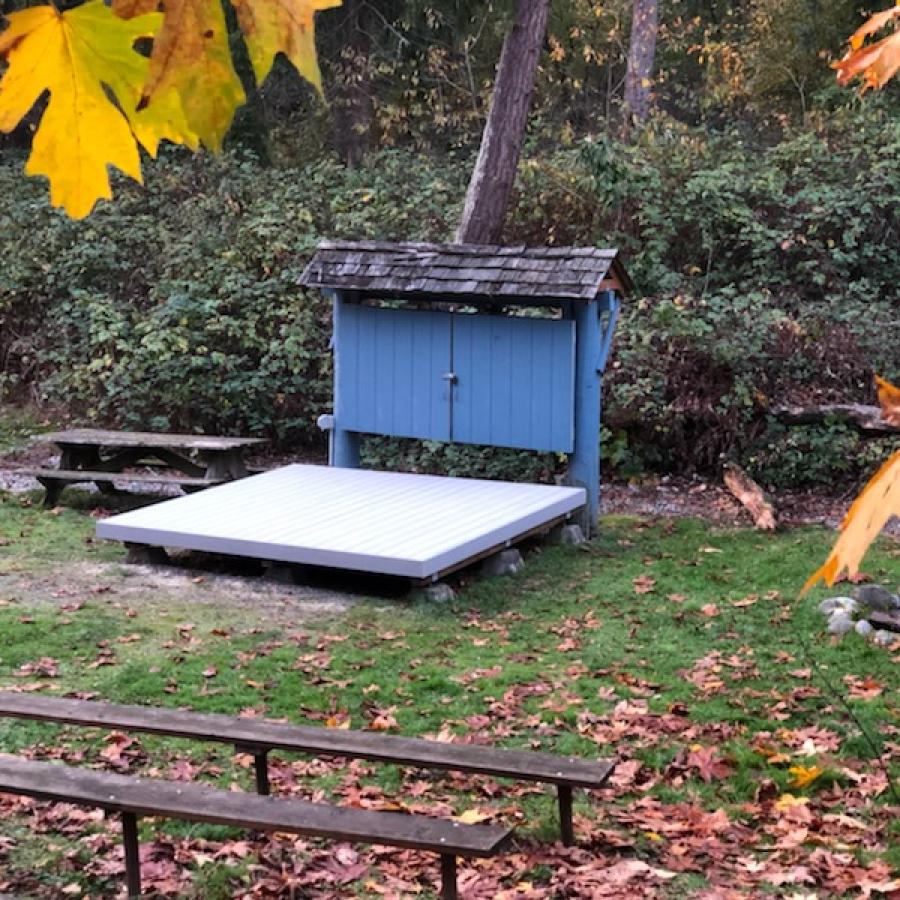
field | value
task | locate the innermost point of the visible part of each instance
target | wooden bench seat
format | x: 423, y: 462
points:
x: 260, y: 737
x: 53, y: 480
x: 134, y: 797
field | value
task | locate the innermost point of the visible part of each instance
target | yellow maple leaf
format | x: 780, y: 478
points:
x: 281, y: 26
x: 876, y: 63
x: 870, y: 512
x: 77, y: 56
x: 786, y: 801
x: 471, y: 817
x: 802, y: 776
x: 191, y: 57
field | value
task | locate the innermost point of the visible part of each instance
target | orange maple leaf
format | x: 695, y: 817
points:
x: 802, y: 776
x: 889, y: 398
x: 870, y: 512
x: 876, y: 63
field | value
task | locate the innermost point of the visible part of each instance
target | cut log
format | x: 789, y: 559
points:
x: 865, y: 419
x: 751, y: 496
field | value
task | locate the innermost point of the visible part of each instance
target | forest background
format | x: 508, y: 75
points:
x: 757, y: 205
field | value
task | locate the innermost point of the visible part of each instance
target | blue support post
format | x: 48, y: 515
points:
x: 592, y: 344
x: 584, y: 462
x: 344, y: 448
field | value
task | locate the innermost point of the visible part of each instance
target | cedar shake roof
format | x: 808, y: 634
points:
x: 473, y: 270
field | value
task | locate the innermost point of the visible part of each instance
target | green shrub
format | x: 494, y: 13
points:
x: 765, y: 274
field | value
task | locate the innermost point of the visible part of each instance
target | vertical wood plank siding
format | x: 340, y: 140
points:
x: 514, y: 377
x: 516, y: 382
x: 389, y: 373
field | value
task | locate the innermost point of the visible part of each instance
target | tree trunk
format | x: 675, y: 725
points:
x: 352, y: 95
x: 501, y: 143
x: 641, y: 51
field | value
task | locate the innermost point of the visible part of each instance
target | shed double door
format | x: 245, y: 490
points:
x: 498, y: 380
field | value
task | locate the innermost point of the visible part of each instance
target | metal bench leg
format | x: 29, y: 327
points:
x: 260, y: 766
x: 261, y: 763
x: 566, y: 829
x: 132, y: 854
x: 448, y: 877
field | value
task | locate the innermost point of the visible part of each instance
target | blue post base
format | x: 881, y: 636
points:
x: 345, y: 449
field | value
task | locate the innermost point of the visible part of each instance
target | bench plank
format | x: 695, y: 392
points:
x: 97, y: 437
x: 253, y: 734
x: 202, y: 803
x: 75, y: 476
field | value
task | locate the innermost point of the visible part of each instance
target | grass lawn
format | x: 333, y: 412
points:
x: 677, y: 649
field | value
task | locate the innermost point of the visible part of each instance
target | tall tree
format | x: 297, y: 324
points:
x: 352, y: 93
x: 492, y: 179
x: 641, y: 53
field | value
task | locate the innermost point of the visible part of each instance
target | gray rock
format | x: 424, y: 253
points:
x: 569, y: 535
x: 840, y: 623
x: 828, y: 606
x: 875, y: 598
x: 439, y: 592
x: 864, y: 628
x: 884, y: 638
x: 506, y: 562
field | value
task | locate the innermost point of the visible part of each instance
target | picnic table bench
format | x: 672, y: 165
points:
x: 132, y: 797
x: 258, y: 738
x: 189, y: 461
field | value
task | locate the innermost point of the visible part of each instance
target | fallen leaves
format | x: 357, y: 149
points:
x: 45, y: 667
x: 644, y: 584
x: 803, y: 776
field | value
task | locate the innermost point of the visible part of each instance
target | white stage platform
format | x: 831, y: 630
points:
x: 416, y: 526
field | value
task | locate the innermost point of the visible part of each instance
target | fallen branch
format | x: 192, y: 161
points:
x: 865, y: 419
x: 751, y: 496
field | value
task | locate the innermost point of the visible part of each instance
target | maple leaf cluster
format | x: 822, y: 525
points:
x: 872, y: 509
x: 875, y: 63
x: 107, y: 99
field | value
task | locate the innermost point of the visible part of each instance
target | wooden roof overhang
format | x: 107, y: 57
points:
x: 467, y: 272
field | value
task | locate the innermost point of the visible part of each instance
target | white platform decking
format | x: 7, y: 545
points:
x: 396, y: 524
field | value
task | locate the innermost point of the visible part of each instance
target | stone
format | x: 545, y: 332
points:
x: 875, y: 598
x: 864, y: 628
x: 439, y: 592
x: 840, y: 623
x: 569, y: 535
x: 506, y: 562
x: 828, y: 606
x: 847, y: 605
x: 884, y: 638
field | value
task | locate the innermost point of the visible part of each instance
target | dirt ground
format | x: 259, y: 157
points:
x: 196, y: 583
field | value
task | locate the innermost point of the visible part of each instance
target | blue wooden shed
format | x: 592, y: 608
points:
x: 501, y: 346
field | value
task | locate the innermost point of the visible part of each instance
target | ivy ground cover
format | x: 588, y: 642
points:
x: 744, y: 738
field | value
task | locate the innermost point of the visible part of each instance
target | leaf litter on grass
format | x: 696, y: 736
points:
x: 735, y: 775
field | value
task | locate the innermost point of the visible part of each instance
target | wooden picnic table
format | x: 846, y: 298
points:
x: 88, y: 454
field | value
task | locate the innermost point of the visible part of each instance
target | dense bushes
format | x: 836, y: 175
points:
x: 765, y: 274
